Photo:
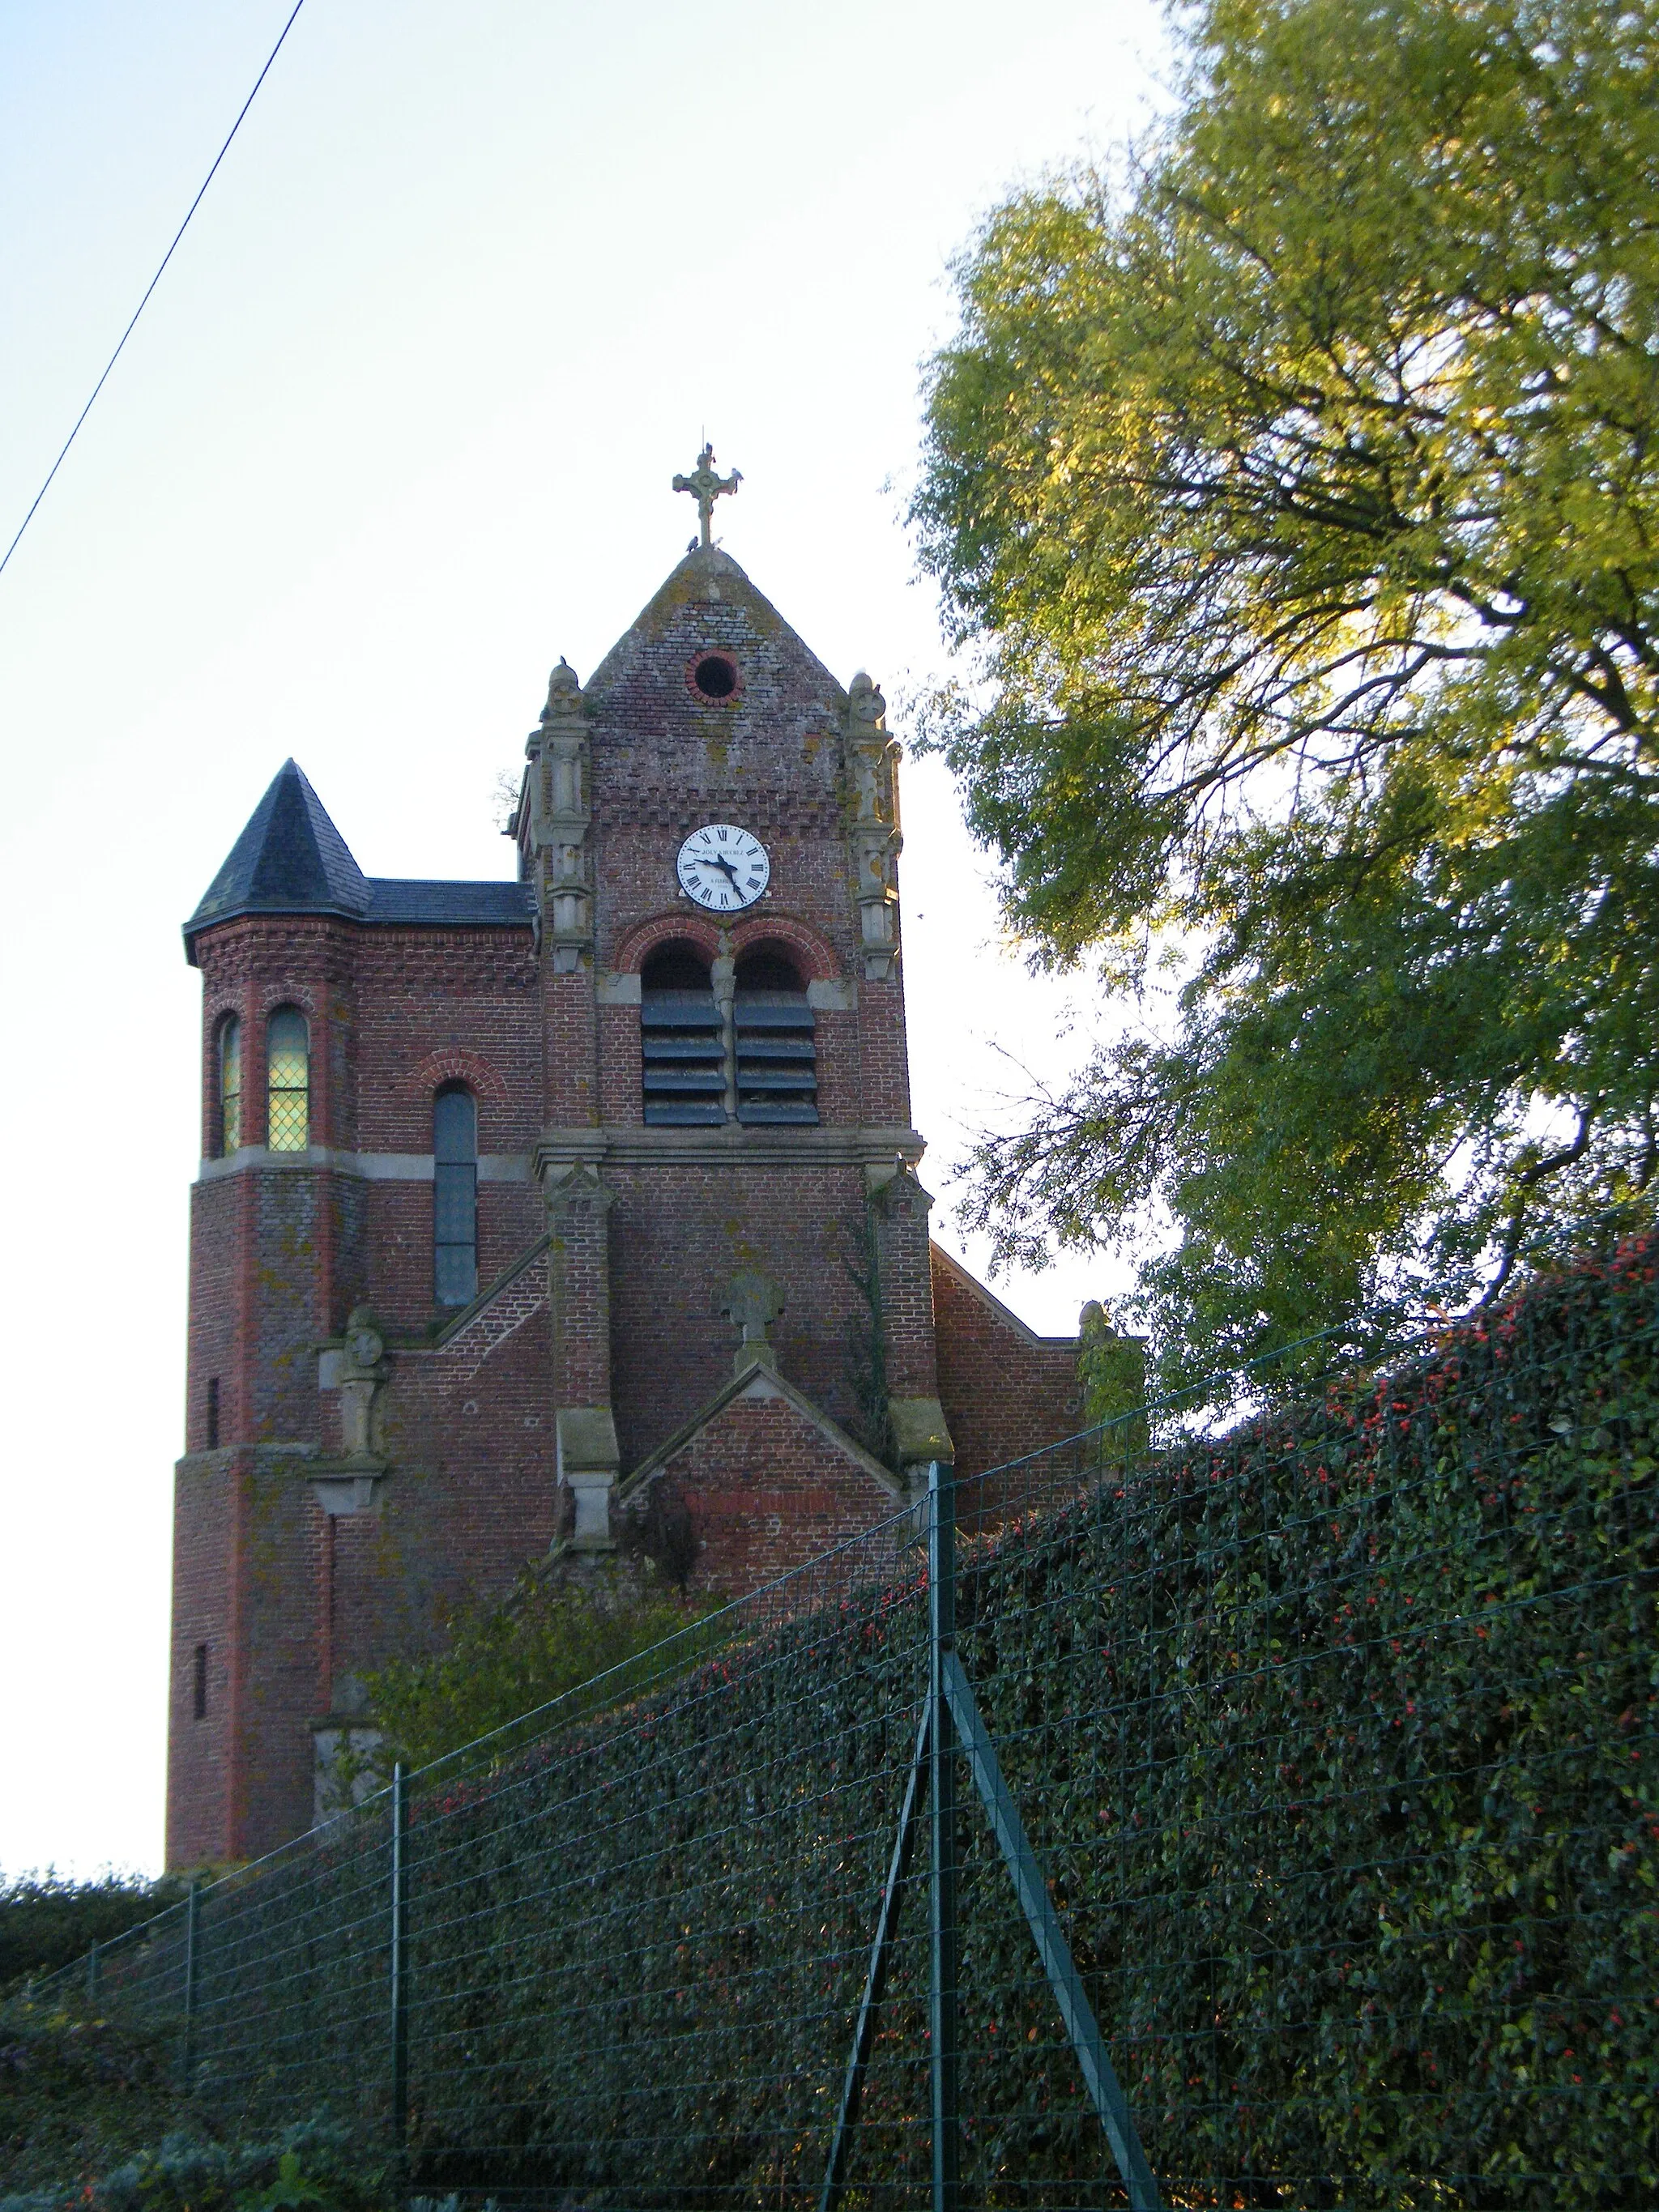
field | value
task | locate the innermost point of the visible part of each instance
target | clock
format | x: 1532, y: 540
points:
x: 723, y: 868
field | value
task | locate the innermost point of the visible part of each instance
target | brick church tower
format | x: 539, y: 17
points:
x: 520, y: 1200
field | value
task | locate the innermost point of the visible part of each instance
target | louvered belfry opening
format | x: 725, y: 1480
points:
x: 683, y: 1041
x: 777, y: 1064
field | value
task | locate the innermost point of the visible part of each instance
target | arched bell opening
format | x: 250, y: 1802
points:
x: 777, y: 1078
x: 683, y: 1041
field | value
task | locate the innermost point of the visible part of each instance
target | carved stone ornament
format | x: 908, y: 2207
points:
x: 579, y: 1185
x: 864, y: 695
x: 365, y: 1345
x: 557, y: 842
x: 356, y: 1369
x: 752, y: 1302
x: 564, y: 693
x: 706, y: 485
x: 871, y: 759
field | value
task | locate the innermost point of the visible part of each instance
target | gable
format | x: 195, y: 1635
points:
x: 782, y: 717
x: 770, y: 1483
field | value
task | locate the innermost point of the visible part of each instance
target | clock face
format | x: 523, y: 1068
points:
x: 723, y: 867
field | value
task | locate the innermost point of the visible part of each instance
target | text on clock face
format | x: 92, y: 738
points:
x: 723, y: 867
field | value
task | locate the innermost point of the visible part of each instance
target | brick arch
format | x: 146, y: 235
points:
x: 814, y: 951
x: 272, y: 995
x: 226, y: 1003
x: 642, y: 940
x: 453, y: 1063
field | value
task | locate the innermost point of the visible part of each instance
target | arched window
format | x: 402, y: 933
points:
x: 455, y: 1196
x: 777, y: 1077
x: 287, y: 1081
x: 682, y: 1041
x: 230, y: 1086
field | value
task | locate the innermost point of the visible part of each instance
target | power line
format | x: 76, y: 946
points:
x: 151, y: 286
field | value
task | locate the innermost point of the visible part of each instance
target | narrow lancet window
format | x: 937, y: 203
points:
x: 683, y: 1041
x: 455, y: 1196
x: 230, y: 1086
x: 287, y: 1081
x: 777, y: 1077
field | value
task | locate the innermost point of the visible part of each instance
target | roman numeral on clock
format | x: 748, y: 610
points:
x: 723, y: 866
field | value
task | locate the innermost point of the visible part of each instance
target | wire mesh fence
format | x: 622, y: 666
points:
x: 1331, y: 1738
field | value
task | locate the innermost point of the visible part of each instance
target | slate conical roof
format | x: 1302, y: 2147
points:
x: 289, y: 860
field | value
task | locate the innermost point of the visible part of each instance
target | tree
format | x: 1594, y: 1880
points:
x: 1298, y: 493
x: 504, y: 1662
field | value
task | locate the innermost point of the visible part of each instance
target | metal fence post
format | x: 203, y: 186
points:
x: 192, y: 1969
x: 942, y: 1785
x: 399, y: 1947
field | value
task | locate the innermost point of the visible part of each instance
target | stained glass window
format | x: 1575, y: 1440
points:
x: 287, y: 1081
x: 455, y: 1196
x: 230, y: 1086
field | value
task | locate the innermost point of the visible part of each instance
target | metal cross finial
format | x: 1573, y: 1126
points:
x: 706, y: 485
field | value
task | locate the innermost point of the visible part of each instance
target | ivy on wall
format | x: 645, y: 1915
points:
x: 1340, y: 1737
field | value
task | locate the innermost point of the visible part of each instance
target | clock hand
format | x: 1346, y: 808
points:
x: 725, y: 866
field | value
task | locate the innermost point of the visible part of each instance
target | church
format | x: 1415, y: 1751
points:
x: 526, y: 1205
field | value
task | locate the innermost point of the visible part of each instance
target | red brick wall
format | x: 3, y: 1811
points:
x: 900, y: 1214
x: 664, y: 761
x: 679, y: 1234
x: 295, y: 1612
x: 768, y: 1491
x: 198, y: 1810
x: 280, y: 1251
x: 469, y: 1430
x: 1006, y: 1390
x: 578, y: 1272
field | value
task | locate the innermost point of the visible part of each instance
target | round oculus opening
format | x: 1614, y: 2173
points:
x: 715, y: 676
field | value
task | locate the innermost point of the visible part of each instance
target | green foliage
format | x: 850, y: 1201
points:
x: 1112, y: 1369
x: 292, y: 2189
x: 502, y: 1661
x: 78, y: 2094
x: 1372, y: 1745
x: 1301, y: 494
x: 94, y: 2119
x: 316, y: 2163
x: 46, y: 1921
x: 1338, y: 1736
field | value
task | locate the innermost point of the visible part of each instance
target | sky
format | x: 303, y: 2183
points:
x: 396, y: 431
